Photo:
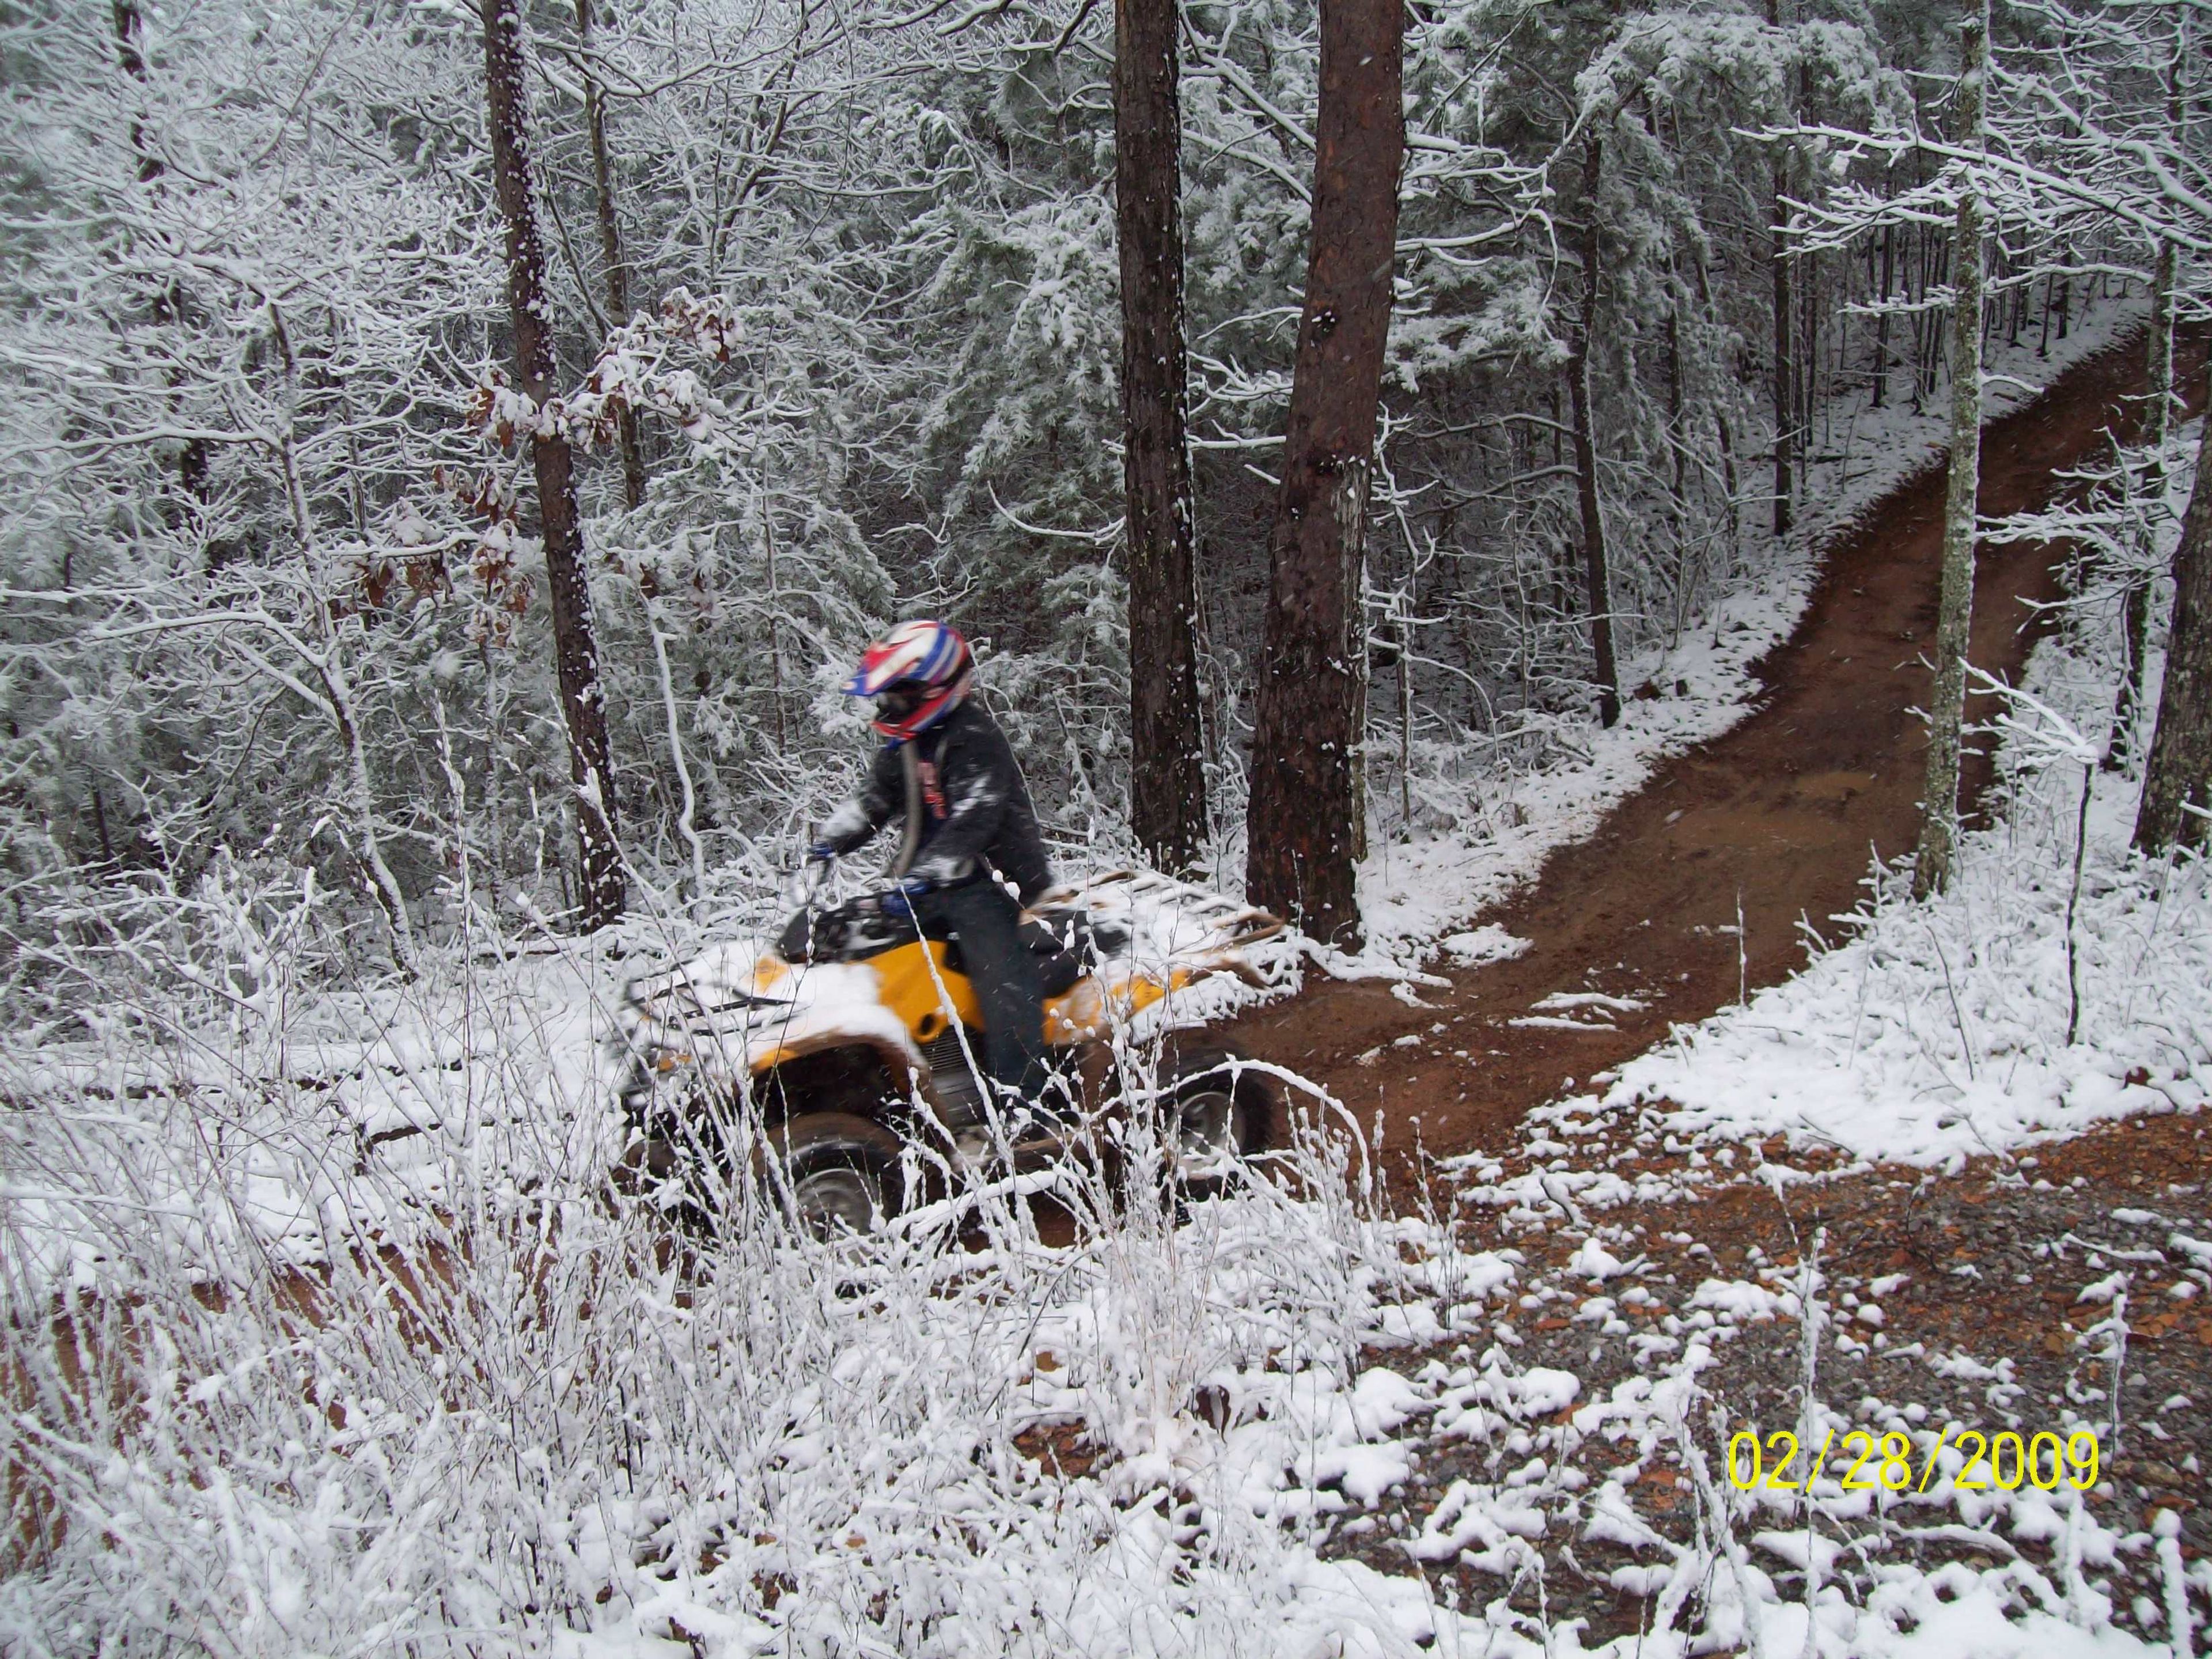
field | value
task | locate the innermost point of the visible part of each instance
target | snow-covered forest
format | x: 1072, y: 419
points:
x: 834, y: 302
x: 451, y: 455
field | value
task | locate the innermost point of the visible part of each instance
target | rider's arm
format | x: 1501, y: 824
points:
x: 854, y: 822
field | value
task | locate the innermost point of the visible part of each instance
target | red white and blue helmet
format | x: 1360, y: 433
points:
x: 920, y: 671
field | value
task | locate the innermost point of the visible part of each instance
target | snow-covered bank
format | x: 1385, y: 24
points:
x: 516, y: 1422
x: 508, y: 1413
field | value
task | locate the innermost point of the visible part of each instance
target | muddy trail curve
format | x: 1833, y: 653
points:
x: 1774, y: 821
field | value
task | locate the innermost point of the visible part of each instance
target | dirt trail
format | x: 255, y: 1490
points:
x: 1771, y: 822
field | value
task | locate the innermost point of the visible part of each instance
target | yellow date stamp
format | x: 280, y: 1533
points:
x: 1887, y: 1462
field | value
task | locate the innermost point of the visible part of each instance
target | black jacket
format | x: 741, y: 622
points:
x: 976, y: 810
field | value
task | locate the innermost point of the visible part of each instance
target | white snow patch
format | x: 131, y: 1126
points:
x: 1593, y: 1260
x: 1485, y: 944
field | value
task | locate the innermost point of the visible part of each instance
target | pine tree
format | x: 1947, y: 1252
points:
x: 1303, y: 838
x: 1167, y: 773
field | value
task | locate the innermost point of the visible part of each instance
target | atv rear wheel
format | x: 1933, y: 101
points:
x: 1215, y: 1112
x: 840, y: 1172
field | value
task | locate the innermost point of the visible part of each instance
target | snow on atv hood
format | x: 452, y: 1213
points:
x: 735, y: 1003
x: 739, y: 1002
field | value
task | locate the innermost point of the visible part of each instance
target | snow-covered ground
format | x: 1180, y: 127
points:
x: 2014, y: 1007
x: 515, y: 1422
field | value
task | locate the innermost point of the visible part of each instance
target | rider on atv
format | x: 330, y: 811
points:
x: 946, y: 769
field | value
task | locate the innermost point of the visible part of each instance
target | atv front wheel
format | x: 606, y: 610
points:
x: 840, y: 1172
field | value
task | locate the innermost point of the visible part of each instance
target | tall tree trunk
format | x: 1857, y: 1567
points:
x: 1597, y: 573
x: 1882, y: 318
x: 618, y: 274
x: 2157, y: 422
x: 2135, y: 607
x: 1786, y: 426
x: 1933, y: 358
x: 1785, y: 423
x: 1301, y: 839
x: 1167, y: 783
x: 1946, y: 708
x: 583, y: 704
x: 1805, y: 403
x: 1725, y: 434
x: 1678, y: 445
x: 2178, y: 775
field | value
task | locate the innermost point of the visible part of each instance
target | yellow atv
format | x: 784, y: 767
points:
x: 820, y: 1061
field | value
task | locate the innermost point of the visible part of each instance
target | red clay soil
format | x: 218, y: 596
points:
x: 1774, y: 821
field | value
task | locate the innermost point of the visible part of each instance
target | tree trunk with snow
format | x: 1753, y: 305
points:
x: 1302, y: 839
x: 1167, y: 772
x: 1597, y: 573
x: 1879, y: 368
x: 2157, y: 419
x: 1785, y: 428
x: 1785, y: 374
x: 2134, y: 608
x: 583, y: 705
x: 618, y: 274
x: 2178, y: 776
x: 1939, y: 811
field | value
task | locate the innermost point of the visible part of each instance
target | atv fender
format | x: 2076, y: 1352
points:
x: 904, y: 1075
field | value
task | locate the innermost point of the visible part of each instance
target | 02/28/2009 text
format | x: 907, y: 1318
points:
x: 1777, y: 1463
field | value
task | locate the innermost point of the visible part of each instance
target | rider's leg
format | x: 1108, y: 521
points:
x: 987, y: 922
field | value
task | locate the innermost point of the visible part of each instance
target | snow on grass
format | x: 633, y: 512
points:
x: 1410, y: 894
x: 494, y: 1407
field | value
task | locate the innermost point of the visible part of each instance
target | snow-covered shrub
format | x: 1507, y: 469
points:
x: 326, y: 1327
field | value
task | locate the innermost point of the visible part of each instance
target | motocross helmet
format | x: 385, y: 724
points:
x: 918, y: 673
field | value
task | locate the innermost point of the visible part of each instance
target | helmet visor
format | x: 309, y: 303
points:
x: 899, y: 703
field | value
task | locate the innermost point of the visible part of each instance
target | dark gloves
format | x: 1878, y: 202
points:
x: 898, y: 898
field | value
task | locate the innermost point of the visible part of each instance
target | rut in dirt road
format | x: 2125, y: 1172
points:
x: 1772, y: 822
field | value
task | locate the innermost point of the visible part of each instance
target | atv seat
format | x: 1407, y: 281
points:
x: 1058, y: 965
x: 1068, y: 942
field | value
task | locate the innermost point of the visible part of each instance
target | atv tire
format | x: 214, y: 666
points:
x: 840, y: 1172
x: 1215, y: 1114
